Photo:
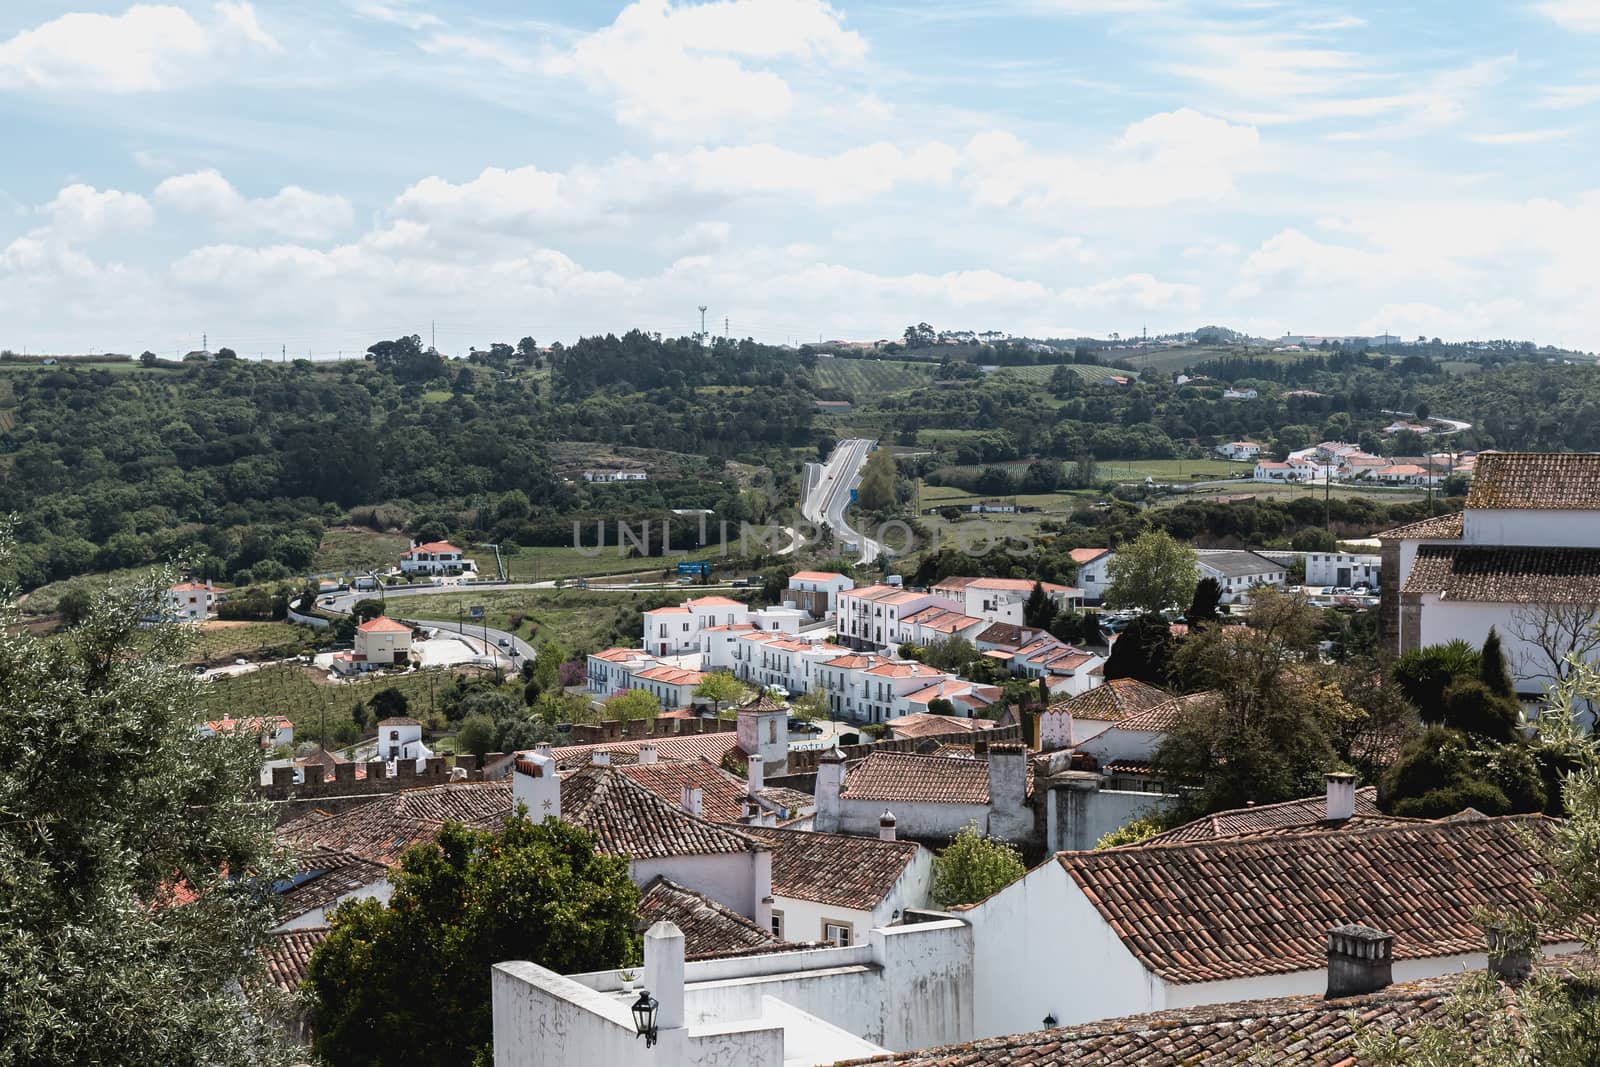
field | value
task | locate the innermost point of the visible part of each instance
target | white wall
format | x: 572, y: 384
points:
x: 1444, y: 621
x: 1561, y: 529
x: 379, y: 890
x: 729, y: 878
x: 802, y: 919
x: 919, y: 819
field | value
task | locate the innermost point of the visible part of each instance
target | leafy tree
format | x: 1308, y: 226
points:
x: 1264, y: 730
x: 1443, y: 771
x: 1203, y: 606
x: 1152, y: 573
x: 388, y: 703
x: 632, y: 704
x: 73, y: 606
x: 1423, y: 675
x: 367, y: 609
x: 973, y: 867
x: 477, y: 735
x: 941, y: 706
x: 1492, y: 670
x: 1142, y: 650
x: 721, y: 687
x: 949, y: 653
x: 407, y: 982
x: 555, y: 707
x: 547, y: 665
x: 111, y: 802
x: 1313, y: 540
x: 1130, y: 833
x: 877, y: 489
x: 907, y: 650
x: 1474, y: 708
x: 1039, y: 610
x: 809, y: 707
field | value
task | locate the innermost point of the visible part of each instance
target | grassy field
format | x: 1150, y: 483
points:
x: 354, y: 548
x: 303, y: 694
x: 579, y: 619
x: 862, y: 378
x: 1039, y: 375
x: 1128, y: 470
x: 546, y: 563
x: 1270, y: 491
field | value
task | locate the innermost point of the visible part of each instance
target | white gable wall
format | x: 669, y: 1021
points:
x: 1560, y: 529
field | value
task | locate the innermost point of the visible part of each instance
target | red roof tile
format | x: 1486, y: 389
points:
x: 287, y: 955
x: 906, y: 777
x: 1115, y: 700
x: 709, y: 929
x: 1537, y: 480
x: 383, y: 625
x: 1507, y: 575
x: 846, y: 872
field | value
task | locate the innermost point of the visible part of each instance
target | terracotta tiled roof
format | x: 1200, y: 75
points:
x: 1234, y: 822
x: 1080, y: 556
x: 921, y: 724
x: 1004, y: 633
x: 671, y: 675
x: 253, y: 724
x: 1507, y: 575
x: 323, y: 875
x: 722, y: 796
x: 905, y: 777
x: 846, y: 872
x: 287, y: 954
x: 1159, y: 718
x: 1541, y: 480
x: 904, y: 670
x: 711, y: 746
x: 815, y: 576
x: 714, y: 602
x: 1112, y: 701
x: 1213, y: 910
x: 1296, y: 1031
x: 381, y: 829
x: 620, y: 655
x: 709, y: 929
x: 631, y: 821
x: 776, y: 796
x: 435, y: 547
x: 1438, y: 528
x: 383, y: 625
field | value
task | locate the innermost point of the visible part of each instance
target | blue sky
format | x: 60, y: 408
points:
x: 320, y: 173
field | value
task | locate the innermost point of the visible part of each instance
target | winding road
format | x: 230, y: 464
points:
x: 826, y: 494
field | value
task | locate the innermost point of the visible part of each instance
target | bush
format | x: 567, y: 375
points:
x: 1439, y: 803
x: 1473, y: 708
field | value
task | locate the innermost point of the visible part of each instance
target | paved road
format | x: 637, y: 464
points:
x: 827, y: 496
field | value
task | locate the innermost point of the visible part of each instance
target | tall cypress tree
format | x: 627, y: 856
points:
x: 1492, y: 666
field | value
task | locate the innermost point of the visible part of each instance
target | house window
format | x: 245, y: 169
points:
x: 777, y: 924
x: 838, y: 933
x: 394, y: 735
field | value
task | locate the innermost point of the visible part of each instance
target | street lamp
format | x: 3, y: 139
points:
x: 644, y: 1017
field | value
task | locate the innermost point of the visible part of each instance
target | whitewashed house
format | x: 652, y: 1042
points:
x: 1094, y: 571
x: 871, y: 617
x: 609, y: 669
x: 1238, y: 572
x: 378, y: 643
x: 1003, y: 599
x: 812, y: 902
x: 274, y: 731
x: 815, y: 590
x: 436, y: 557
x: 1343, y: 569
x: 400, y: 738
x: 189, y: 601
x: 1239, y: 450
x: 679, y: 629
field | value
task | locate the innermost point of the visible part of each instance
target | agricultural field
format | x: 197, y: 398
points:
x: 225, y: 641
x: 545, y: 563
x: 866, y: 378
x: 1268, y: 490
x: 355, y: 548
x: 580, y: 619
x: 304, y: 695
x: 1039, y: 375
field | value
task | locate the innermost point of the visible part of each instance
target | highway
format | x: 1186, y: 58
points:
x: 827, y: 494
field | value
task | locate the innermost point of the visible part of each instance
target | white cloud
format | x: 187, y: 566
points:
x: 149, y: 47
x: 1563, y: 97
x: 291, y: 212
x: 1521, y: 136
x: 1167, y: 158
x: 670, y: 182
x: 681, y: 68
x: 1060, y: 250
x: 82, y: 212
x: 477, y: 50
x: 399, y: 13
x: 707, y: 236
x: 1580, y: 15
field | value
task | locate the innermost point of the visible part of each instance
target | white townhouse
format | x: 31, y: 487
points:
x: 609, y: 669
x: 401, y: 738
x: 1238, y: 572
x: 870, y: 617
x: 815, y: 591
x: 1094, y: 571
x: 680, y: 628
x: 933, y: 623
x: 1003, y: 599
x: 1343, y: 569
x: 1239, y: 450
x: 436, y: 557
x: 870, y: 688
x: 189, y: 601
x: 1067, y: 670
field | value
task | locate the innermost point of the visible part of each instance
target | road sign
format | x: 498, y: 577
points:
x: 476, y: 611
x: 695, y: 567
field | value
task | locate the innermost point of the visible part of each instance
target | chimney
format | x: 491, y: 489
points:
x: 1341, y: 796
x: 647, y: 753
x: 830, y: 783
x: 534, y: 783
x: 756, y: 779
x: 543, y: 748
x: 663, y: 973
x: 1360, y: 960
x: 1510, y: 955
x: 600, y: 758
x: 691, y: 800
x: 1008, y: 777
x: 886, y: 825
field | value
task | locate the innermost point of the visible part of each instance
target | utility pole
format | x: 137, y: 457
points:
x: 433, y: 334
x: 702, y: 324
x: 283, y: 353
x: 724, y: 327
x: 205, y: 344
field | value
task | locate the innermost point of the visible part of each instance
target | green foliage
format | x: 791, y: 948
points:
x: 389, y: 703
x: 633, y: 704
x: 721, y: 687
x: 1153, y: 573
x: 809, y: 706
x: 407, y: 982
x: 1474, y: 708
x: 1423, y: 675
x: 877, y: 489
x: 1203, y: 605
x: 1142, y: 650
x: 547, y: 665
x: 973, y: 867
x: 367, y: 609
x: 949, y: 653
x: 477, y: 735
x: 1442, y: 771
x: 1039, y: 610
x: 1130, y: 833
x: 110, y: 800
x: 941, y: 706
x: 1492, y: 670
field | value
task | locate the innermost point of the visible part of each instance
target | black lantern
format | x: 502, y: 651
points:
x: 1050, y: 1021
x: 644, y: 1016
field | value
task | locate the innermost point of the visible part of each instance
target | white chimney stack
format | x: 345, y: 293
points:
x: 647, y: 753
x: 600, y: 758
x: 534, y: 782
x: 1341, y: 796
x: 886, y: 824
x: 757, y: 776
x: 691, y: 800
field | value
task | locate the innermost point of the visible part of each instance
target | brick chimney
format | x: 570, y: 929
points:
x: 1360, y: 960
x: 1341, y: 796
x: 755, y: 779
x: 691, y: 800
x: 647, y: 753
x: 886, y: 825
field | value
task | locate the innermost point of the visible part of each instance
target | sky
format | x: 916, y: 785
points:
x: 310, y: 176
